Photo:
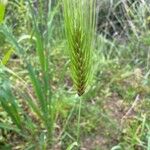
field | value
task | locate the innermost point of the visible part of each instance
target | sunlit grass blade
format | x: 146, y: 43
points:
x: 7, y: 56
x: 2, y: 9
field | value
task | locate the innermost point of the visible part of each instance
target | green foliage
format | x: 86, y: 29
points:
x: 42, y: 106
x: 7, y: 56
x: 8, y: 100
x: 38, y: 108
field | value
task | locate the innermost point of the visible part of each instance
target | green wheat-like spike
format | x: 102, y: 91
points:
x: 79, y: 18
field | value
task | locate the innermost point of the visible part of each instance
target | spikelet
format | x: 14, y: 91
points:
x: 79, y: 18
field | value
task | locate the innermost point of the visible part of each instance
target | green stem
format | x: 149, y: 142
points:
x: 79, y: 120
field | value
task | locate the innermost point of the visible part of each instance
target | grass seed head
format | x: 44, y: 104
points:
x: 79, y: 16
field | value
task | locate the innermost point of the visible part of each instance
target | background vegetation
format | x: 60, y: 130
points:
x: 38, y: 103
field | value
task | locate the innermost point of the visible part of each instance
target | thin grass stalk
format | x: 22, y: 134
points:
x: 48, y: 75
x: 79, y: 120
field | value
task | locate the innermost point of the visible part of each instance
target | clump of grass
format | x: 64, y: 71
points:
x: 41, y: 104
x: 79, y: 18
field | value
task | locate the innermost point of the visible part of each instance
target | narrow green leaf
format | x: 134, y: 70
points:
x: 75, y: 144
x: 11, y: 128
x: 38, y: 88
x: 2, y: 9
x: 39, y: 40
x: 7, y: 56
x: 12, y: 40
x: 148, y: 146
x: 8, y: 127
x: 10, y: 106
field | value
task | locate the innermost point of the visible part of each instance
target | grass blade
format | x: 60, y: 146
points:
x: 2, y: 9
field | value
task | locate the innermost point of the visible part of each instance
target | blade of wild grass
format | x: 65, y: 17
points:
x: 52, y: 12
x: 7, y: 56
x: 2, y: 12
x: 30, y: 99
x: 44, y: 106
x: 9, y: 103
x: 75, y: 144
x: 117, y: 147
x: 6, y: 126
x: 79, y: 18
x: 42, y: 142
x: 2, y: 9
x: 37, y: 87
x: 11, y: 39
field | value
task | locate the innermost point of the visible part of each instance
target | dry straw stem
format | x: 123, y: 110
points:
x: 79, y: 17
